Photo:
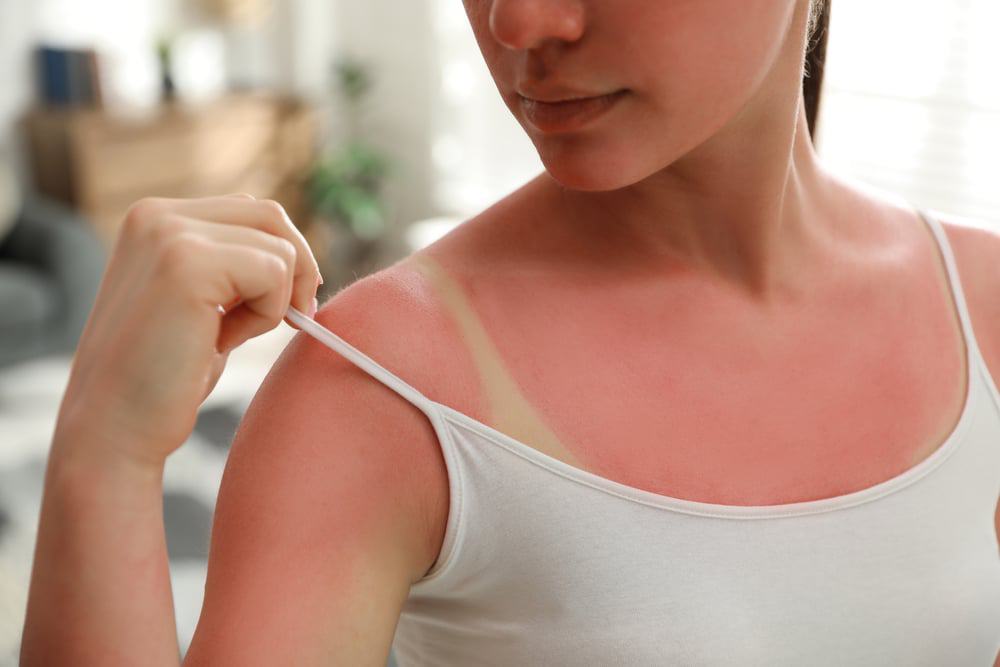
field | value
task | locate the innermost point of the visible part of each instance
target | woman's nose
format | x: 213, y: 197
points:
x: 527, y: 24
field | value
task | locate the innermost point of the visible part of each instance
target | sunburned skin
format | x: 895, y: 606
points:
x: 511, y: 412
x: 686, y: 300
x: 685, y: 390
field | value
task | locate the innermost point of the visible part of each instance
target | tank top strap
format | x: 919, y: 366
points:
x: 953, y: 278
x: 362, y: 361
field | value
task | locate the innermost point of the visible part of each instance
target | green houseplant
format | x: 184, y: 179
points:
x: 344, y: 186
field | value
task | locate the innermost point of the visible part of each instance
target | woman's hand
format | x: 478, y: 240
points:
x: 188, y: 280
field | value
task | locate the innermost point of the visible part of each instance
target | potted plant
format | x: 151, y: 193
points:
x: 344, y: 186
x: 164, y: 57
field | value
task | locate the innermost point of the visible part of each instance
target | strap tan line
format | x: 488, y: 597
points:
x: 511, y: 412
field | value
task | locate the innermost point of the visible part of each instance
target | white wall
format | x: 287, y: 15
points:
x: 17, y: 19
x: 396, y: 36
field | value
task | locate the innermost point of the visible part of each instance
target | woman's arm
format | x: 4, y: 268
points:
x: 321, y: 523
x: 325, y: 516
x: 100, y: 587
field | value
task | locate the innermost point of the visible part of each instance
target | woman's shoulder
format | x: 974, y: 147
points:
x: 404, y: 316
x: 345, y: 437
x: 396, y: 316
x: 977, y: 239
x: 975, y: 244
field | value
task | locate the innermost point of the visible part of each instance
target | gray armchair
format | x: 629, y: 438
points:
x: 51, y: 264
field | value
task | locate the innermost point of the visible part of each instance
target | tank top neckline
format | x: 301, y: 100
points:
x: 662, y: 501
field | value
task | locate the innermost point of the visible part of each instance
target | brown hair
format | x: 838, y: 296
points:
x: 812, y: 80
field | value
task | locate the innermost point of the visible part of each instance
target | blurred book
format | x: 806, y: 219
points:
x: 68, y: 77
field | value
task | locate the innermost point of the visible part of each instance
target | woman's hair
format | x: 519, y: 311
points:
x: 812, y: 80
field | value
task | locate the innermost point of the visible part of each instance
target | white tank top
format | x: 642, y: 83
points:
x: 547, y: 564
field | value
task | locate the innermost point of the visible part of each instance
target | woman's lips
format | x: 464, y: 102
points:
x: 552, y: 117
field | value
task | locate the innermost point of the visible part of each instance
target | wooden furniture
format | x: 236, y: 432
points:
x: 100, y: 161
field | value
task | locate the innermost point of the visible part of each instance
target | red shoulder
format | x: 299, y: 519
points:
x: 321, y: 428
x: 976, y: 246
x: 395, y: 317
x: 334, y: 499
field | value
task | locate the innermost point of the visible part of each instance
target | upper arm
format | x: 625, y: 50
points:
x: 325, y: 514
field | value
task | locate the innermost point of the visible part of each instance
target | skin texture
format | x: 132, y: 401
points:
x: 685, y: 302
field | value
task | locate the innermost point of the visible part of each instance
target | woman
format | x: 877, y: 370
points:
x: 684, y: 398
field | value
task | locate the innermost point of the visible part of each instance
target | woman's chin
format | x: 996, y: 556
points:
x: 592, y: 175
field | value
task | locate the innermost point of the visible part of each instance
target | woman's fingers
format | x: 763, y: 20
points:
x: 252, y: 272
x: 266, y: 215
x: 301, y: 291
x: 150, y: 350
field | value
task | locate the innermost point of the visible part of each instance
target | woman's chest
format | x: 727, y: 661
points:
x: 698, y: 400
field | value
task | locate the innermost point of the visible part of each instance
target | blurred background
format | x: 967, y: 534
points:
x: 378, y: 127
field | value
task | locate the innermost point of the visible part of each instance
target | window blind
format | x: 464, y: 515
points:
x: 911, y: 102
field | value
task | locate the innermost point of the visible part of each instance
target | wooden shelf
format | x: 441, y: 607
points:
x: 100, y: 162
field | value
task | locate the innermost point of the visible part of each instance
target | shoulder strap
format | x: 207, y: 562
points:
x: 361, y: 360
x: 952, y: 270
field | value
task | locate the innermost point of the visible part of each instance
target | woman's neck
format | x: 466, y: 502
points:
x: 753, y: 212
